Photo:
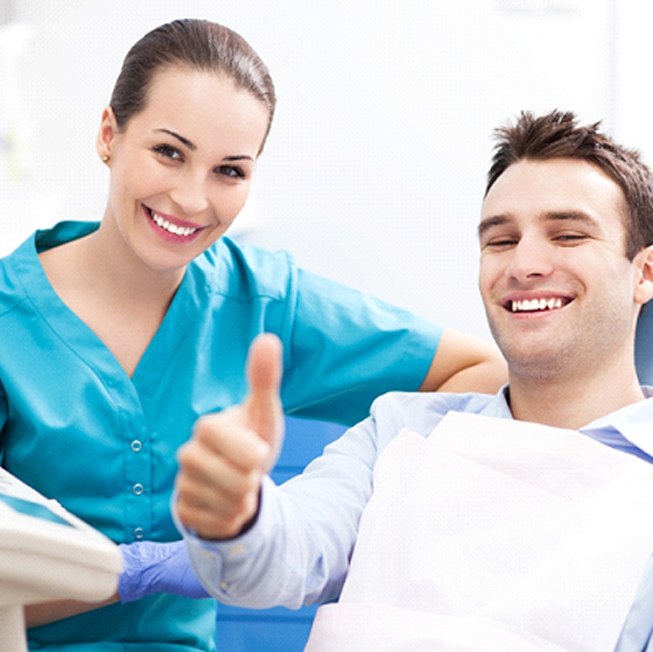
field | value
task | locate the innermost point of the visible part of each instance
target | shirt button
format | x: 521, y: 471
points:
x: 236, y: 550
x: 138, y: 489
x: 136, y: 445
x: 138, y: 533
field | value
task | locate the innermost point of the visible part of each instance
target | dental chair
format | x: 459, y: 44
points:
x: 644, y: 345
x: 46, y: 554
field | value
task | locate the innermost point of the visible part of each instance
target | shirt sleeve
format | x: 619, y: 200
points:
x: 347, y: 348
x: 298, y: 550
x: 637, y: 633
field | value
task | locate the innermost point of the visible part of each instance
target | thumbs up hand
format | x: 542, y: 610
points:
x: 221, y: 467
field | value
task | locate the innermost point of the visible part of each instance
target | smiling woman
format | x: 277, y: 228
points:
x: 195, y: 144
x: 126, y: 330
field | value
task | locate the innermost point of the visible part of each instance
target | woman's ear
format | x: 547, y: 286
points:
x: 644, y: 286
x: 106, y: 134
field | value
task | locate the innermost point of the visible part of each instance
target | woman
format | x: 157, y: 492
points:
x: 124, y: 332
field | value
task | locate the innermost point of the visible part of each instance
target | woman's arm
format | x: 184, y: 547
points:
x: 149, y: 567
x: 464, y: 363
x: 42, y: 614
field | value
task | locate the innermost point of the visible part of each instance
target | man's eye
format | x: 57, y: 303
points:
x: 168, y: 151
x: 499, y: 243
x: 232, y: 171
x: 570, y: 237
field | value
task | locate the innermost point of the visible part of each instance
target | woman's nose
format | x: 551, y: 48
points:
x: 190, y: 195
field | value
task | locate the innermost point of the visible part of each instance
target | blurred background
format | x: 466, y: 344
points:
x: 375, y: 166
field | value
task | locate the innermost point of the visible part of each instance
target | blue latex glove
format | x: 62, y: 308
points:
x: 151, y: 567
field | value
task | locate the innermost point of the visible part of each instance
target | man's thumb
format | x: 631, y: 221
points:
x: 264, y: 369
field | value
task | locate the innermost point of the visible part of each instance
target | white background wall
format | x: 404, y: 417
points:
x: 374, y: 170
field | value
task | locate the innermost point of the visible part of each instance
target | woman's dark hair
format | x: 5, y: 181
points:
x: 198, y: 44
x: 558, y: 135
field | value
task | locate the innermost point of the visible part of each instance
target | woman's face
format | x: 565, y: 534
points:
x: 181, y: 168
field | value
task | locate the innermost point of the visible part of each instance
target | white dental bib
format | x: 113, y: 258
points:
x: 493, y: 534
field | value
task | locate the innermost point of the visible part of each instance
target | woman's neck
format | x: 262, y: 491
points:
x: 115, y: 267
x: 112, y: 291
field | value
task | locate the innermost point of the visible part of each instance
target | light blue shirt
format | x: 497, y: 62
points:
x: 298, y: 550
x: 75, y: 427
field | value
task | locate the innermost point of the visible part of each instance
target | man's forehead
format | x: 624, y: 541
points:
x: 553, y: 189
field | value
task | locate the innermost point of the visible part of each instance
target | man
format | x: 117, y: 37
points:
x: 469, y: 534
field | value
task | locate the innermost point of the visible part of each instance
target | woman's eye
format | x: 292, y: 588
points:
x: 168, y: 151
x: 232, y: 171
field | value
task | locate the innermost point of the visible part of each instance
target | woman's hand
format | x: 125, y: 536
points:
x: 150, y: 567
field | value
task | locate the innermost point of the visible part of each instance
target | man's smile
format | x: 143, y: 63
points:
x: 537, y: 304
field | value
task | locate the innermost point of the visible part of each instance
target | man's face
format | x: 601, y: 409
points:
x: 559, y: 293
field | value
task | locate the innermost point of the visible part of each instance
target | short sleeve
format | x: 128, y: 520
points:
x: 347, y: 348
x: 3, y: 420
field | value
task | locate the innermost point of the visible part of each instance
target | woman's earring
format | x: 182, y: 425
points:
x: 105, y: 158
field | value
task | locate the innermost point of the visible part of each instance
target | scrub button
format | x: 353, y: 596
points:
x: 138, y: 489
x: 136, y: 445
x: 138, y: 532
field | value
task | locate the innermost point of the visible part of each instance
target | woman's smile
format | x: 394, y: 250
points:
x: 170, y: 228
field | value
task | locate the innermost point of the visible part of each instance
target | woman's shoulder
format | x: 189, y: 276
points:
x: 232, y: 267
x: 21, y: 273
x: 12, y: 278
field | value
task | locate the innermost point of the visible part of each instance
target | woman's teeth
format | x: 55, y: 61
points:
x: 169, y: 227
x: 536, y: 304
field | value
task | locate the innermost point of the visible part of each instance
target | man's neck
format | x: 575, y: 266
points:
x: 572, y: 403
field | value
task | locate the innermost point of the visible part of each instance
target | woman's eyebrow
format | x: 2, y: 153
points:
x: 193, y: 147
x: 180, y: 138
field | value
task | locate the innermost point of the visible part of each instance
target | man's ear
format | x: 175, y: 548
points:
x: 644, y: 286
x: 106, y: 134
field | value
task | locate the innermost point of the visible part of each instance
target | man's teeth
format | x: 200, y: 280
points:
x: 171, y: 228
x: 536, y: 304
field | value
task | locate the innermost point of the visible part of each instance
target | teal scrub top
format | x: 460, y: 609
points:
x: 77, y: 428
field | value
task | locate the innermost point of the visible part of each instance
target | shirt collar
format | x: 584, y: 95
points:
x: 632, y: 422
x: 498, y: 406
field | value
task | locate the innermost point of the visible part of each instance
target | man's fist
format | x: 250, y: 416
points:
x: 222, y: 465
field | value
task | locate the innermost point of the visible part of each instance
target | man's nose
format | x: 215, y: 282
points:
x: 530, y: 258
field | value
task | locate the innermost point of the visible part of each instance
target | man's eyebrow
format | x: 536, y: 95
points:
x: 180, y: 138
x: 550, y: 216
x: 493, y: 220
x: 570, y: 216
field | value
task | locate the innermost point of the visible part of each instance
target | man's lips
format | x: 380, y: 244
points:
x: 537, y: 304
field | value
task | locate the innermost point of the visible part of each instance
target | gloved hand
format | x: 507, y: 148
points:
x: 151, y: 567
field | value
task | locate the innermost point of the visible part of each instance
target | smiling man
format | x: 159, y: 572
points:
x: 518, y: 521
x: 560, y: 287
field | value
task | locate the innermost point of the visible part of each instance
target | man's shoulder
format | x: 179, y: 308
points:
x: 422, y: 411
